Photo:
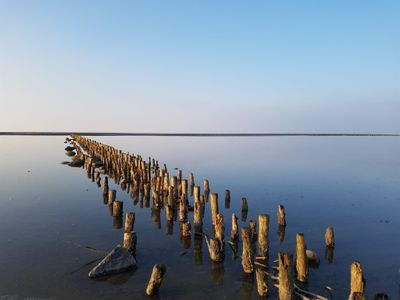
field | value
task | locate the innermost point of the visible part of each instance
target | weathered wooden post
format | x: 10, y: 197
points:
x: 156, y: 278
x: 227, y: 198
x: 183, y: 211
x: 253, y: 231
x: 206, y: 188
x: 220, y: 230
x: 198, y: 220
x: 281, y: 215
x: 247, y: 255
x: 186, y: 230
x: 214, y: 248
x: 214, y: 207
x: 329, y: 237
x: 262, y: 282
x: 191, y: 179
x: 111, y: 196
x: 301, y: 259
x: 117, y: 208
x: 245, y: 206
x: 357, y: 282
x: 234, y: 230
x: 130, y: 240
x: 184, y: 190
x: 286, y: 284
x: 105, y: 185
x: 129, y: 221
x: 263, y: 240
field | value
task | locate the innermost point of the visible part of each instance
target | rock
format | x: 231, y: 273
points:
x: 381, y: 296
x: 312, y: 258
x: 77, y: 161
x: 117, y: 261
x: 69, y: 148
x: 70, y: 153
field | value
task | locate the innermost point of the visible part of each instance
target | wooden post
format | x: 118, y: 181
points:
x: 184, y: 189
x: 281, y: 215
x: 234, y: 231
x: 183, y: 210
x: 357, y: 281
x: 105, y: 185
x: 117, y: 208
x: 214, y: 248
x: 220, y: 230
x: 262, y: 282
x: 156, y: 278
x: 247, y: 255
x: 111, y: 196
x: 253, y: 231
x: 191, y: 179
x: 206, y: 186
x: 286, y: 284
x: 227, y: 198
x: 198, y: 220
x: 196, y: 193
x: 263, y: 241
x: 245, y: 206
x: 329, y: 237
x: 301, y: 258
x: 186, y: 230
x: 129, y: 221
x: 130, y: 240
x: 214, y: 207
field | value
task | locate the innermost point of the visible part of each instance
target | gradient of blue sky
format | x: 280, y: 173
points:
x: 203, y: 66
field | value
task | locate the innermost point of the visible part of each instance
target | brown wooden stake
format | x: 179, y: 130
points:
x: 227, y: 198
x: 245, y: 206
x: 117, y: 208
x: 206, y: 186
x: 153, y: 287
x: 301, y: 258
x: 329, y: 237
x: 198, y: 220
x: 191, y: 179
x: 105, y: 185
x: 184, y: 189
x: 214, y: 248
x: 130, y: 240
x: 234, y: 230
x: 111, y: 196
x: 262, y: 282
x: 183, y: 211
x: 286, y: 284
x: 186, y: 230
x: 281, y: 215
x: 253, y: 231
x: 129, y: 221
x: 357, y: 281
x: 220, y: 230
x: 263, y: 240
x: 214, y: 207
x: 247, y: 255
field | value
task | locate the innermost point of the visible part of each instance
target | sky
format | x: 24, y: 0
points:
x: 200, y: 66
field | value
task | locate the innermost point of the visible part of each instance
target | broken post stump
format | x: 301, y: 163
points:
x: 214, y: 207
x: 153, y: 287
x: 234, y: 230
x: 329, y: 237
x: 281, y: 215
x: 117, y: 208
x: 357, y: 281
x: 129, y: 221
x: 263, y: 228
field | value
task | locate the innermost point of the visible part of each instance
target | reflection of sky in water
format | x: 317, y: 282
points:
x: 48, y: 215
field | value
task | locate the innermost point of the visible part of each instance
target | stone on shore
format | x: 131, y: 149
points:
x: 117, y: 261
x: 69, y: 148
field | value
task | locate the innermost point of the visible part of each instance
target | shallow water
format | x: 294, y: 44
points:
x: 50, y: 212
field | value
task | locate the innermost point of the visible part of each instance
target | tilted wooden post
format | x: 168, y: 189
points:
x: 156, y: 278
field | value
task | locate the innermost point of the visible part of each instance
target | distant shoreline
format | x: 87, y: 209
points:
x: 86, y: 133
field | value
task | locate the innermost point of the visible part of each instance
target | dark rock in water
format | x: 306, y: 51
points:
x: 313, y: 259
x: 117, y: 261
x: 65, y: 162
x: 69, y: 148
x: 381, y: 296
x: 70, y: 153
x: 76, y: 163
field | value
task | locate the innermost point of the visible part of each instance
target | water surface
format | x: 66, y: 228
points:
x: 50, y: 213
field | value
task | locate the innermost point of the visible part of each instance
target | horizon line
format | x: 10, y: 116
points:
x: 196, y: 134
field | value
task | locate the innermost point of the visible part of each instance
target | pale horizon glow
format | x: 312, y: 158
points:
x: 209, y: 66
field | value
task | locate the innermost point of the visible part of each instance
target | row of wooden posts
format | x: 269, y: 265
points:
x: 171, y: 193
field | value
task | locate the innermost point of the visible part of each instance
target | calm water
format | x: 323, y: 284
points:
x: 50, y: 212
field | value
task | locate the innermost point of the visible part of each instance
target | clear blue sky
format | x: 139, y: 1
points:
x: 200, y: 66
